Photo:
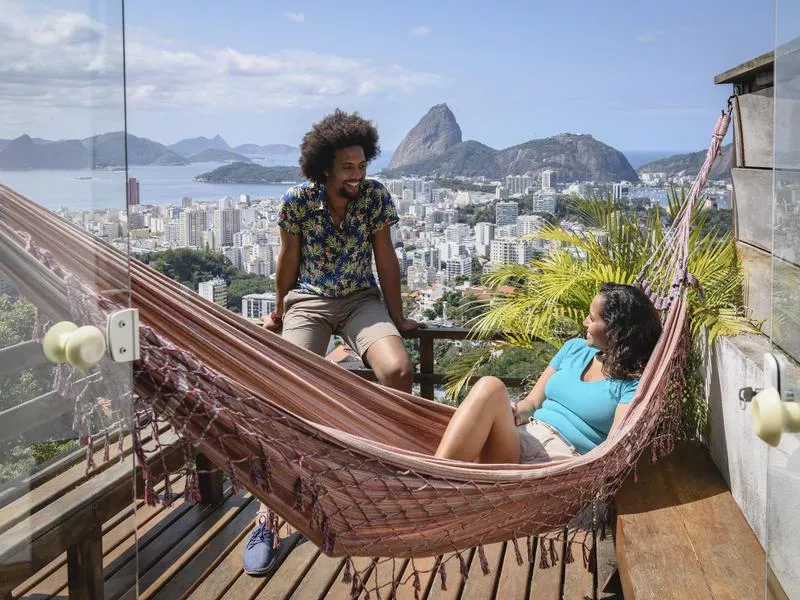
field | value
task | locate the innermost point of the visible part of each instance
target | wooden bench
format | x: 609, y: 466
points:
x: 60, y: 507
x: 680, y: 534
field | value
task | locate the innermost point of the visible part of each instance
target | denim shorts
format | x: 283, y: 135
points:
x: 540, y: 443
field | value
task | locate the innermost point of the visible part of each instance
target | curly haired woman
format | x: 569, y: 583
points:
x: 581, y: 396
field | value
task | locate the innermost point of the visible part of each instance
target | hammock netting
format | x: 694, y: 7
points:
x: 346, y: 462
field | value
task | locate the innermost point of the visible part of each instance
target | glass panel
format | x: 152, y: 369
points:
x: 783, y: 480
x: 66, y: 467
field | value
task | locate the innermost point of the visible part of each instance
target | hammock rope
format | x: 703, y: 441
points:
x: 344, y: 461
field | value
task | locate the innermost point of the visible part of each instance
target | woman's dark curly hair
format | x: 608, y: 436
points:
x: 334, y: 132
x: 632, y: 330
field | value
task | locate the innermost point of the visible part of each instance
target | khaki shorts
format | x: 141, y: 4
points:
x: 361, y: 319
x: 539, y: 443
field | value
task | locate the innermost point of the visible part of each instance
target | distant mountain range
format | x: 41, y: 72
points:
x: 108, y: 150
x: 689, y: 165
x: 435, y: 147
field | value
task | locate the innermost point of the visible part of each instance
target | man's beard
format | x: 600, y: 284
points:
x: 350, y: 193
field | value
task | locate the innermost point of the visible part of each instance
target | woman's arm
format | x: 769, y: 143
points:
x: 619, y: 414
x: 524, y: 408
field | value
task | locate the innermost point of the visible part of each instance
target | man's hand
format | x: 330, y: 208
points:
x: 405, y: 325
x: 271, y: 324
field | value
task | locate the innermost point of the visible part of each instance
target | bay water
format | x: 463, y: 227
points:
x: 158, y: 185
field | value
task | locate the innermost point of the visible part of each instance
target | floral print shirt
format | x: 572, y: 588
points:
x: 335, y: 262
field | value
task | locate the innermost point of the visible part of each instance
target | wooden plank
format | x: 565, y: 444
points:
x: 386, y: 571
x: 478, y: 585
x: 25, y: 355
x: 679, y: 533
x: 43, y: 473
x: 339, y: 590
x: 34, y: 413
x: 76, y: 475
x: 405, y: 591
x: 120, y: 538
x: 321, y: 576
x: 85, y: 567
x: 289, y: 574
x: 218, y: 578
x: 165, y: 554
x: 514, y: 579
x: 729, y: 554
x: 606, y: 568
x: 546, y: 583
x: 33, y: 543
x: 455, y: 585
x: 578, y: 581
x: 650, y: 534
x: 209, y: 479
x: 208, y: 551
x: 774, y: 589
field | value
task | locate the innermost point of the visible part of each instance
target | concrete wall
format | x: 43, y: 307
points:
x: 740, y: 456
x: 753, y: 127
x: 764, y: 481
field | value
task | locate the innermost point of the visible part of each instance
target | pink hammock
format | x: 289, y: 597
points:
x: 344, y: 461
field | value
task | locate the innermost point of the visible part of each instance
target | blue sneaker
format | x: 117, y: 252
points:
x: 259, y: 556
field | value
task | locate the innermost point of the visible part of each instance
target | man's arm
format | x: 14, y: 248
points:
x: 286, y: 268
x: 389, y: 275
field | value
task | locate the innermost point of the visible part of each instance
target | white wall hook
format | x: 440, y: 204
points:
x: 81, y: 347
x: 772, y: 416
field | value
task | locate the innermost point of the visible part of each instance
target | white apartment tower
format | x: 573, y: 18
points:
x: 191, y: 225
x: 456, y: 233
x: 227, y: 221
x: 511, y: 251
x: 528, y: 224
x: 255, y: 306
x: 484, y: 233
x: 215, y: 290
x: 548, y: 180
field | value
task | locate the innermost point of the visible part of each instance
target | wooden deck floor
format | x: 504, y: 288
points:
x: 190, y: 551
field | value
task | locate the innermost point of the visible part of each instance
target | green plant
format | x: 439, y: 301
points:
x: 550, y: 296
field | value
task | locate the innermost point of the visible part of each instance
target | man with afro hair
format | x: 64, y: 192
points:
x: 330, y: 228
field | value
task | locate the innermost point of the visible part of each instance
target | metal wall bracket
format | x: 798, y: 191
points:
x: 123, y: 335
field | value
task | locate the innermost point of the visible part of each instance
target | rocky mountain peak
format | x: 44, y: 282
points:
x: 435, y: 134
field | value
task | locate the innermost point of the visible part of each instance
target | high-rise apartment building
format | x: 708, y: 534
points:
x: 215, y: 290
x: 191, y: 225
x: 506, y: 213
x: 133, y: 191
x: 548, y: 180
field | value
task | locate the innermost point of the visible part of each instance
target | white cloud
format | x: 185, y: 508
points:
x: 297, y: 17
x: 55, y: 62
x: 420, y: 30
x: 650, y: 37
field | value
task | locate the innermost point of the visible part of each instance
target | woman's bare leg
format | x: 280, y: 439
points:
x: 482, y: 429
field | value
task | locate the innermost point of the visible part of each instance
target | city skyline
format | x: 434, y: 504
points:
x: 637, y: 78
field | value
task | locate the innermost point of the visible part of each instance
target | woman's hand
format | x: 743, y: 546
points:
x: 519, y: 419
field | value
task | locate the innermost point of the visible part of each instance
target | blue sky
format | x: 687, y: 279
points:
x: 637, y: 75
